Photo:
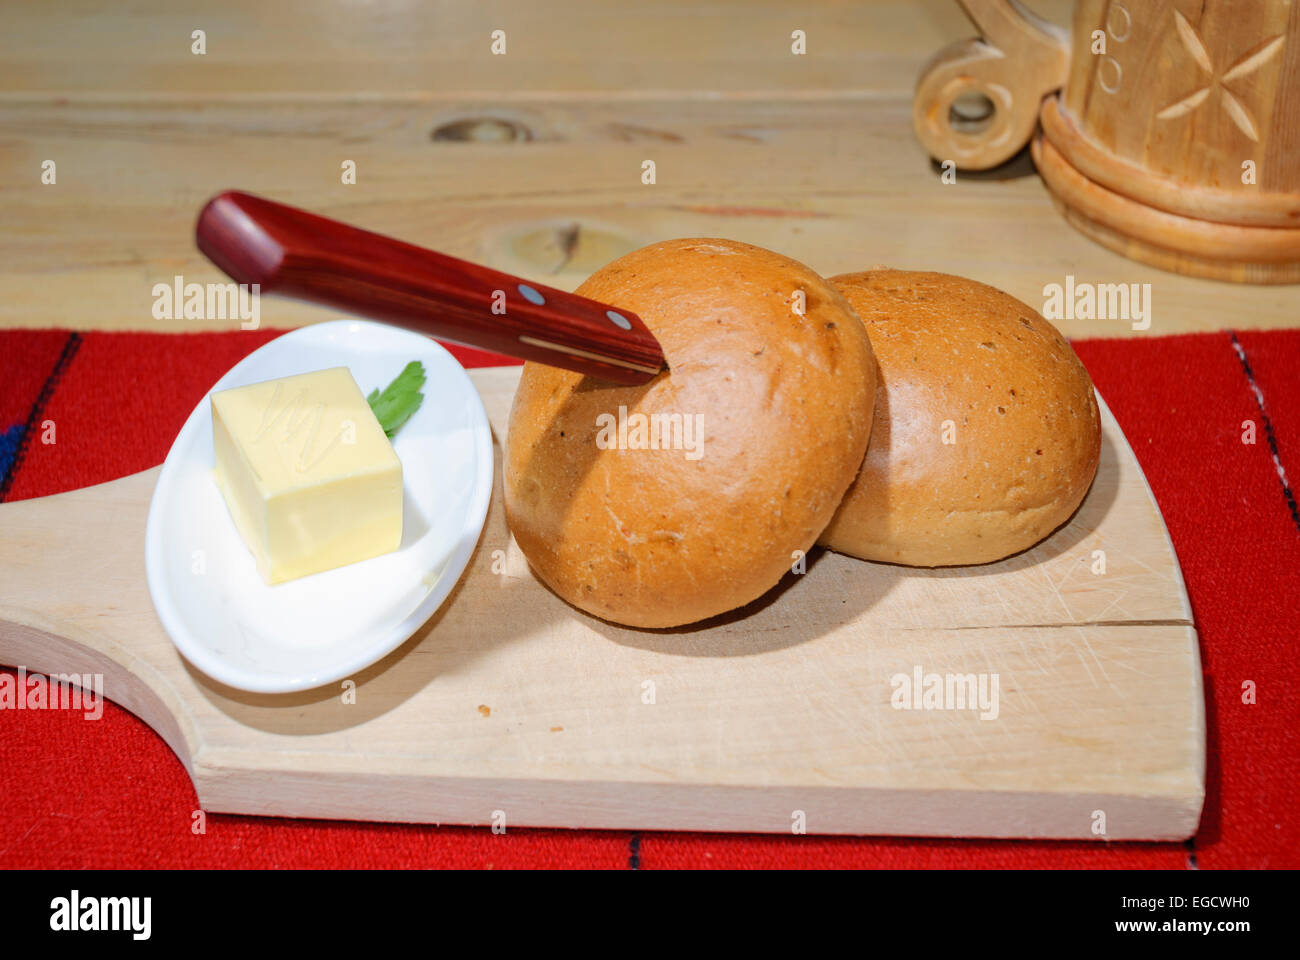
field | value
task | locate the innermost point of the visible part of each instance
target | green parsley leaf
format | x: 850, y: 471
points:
x: 400, y: 399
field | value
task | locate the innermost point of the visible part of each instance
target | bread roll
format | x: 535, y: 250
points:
x: 986, y: 434
x: 780, y: 402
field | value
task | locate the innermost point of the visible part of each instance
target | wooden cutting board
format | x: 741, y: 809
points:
x: 511, y: 707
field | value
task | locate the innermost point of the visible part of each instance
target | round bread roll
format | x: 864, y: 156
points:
x: 774, y: 405
x: 986, y: 433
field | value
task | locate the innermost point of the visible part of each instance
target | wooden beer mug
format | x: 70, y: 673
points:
x: 1168, y: 130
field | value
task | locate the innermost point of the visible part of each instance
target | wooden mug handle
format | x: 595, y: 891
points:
x: 1018, y: 59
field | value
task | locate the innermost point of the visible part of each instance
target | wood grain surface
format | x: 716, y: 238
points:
x: 508, y: 700
x: 530, y: 162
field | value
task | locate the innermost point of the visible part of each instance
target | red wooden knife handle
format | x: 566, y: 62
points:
x: 293, y: 253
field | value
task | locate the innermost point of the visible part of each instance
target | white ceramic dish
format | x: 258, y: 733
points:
x: 325, y: 627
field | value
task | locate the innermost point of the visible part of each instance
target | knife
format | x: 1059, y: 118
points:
x: 293, y: 253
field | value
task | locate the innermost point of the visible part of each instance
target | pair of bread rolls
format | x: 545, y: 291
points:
x: 672, y: 502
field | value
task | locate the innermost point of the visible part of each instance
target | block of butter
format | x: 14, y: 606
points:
x: 310, y: 478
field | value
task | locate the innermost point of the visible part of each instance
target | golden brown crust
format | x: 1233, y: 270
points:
x: 1021, y: 413
x: 651, y: 538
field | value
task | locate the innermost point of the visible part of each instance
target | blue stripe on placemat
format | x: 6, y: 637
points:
x: 10, y: 441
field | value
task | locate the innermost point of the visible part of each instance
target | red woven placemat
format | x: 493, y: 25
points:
x: 111, y: 794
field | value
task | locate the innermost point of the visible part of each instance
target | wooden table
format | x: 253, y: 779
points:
x: 529, y: 161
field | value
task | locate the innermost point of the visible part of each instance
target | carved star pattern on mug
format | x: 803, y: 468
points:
x: 1244, y: 65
